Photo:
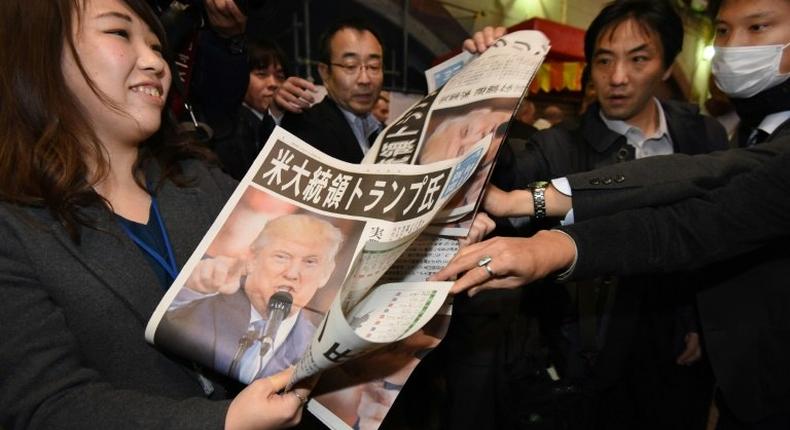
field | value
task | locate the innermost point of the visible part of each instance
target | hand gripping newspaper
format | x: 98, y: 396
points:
x: 313, y: 263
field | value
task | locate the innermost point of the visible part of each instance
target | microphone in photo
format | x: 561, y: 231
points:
x: 278, y: 310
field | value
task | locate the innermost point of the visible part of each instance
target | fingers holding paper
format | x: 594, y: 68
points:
x: 508, y: 262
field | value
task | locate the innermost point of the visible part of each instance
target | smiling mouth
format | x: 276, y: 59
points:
x: 149, y: 90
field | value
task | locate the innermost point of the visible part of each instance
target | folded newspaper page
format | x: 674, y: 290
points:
x: 439, y: 74
x: 358, y: 394
x: 479, y: 99
x: 287, y: 274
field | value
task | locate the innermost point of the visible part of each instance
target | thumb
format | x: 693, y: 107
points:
x: 280, y: 380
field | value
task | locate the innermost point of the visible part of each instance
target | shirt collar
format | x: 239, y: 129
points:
x: 253, y: 110
x: 622, y: 127
x: 260, y: 115
x: 771, y: 122
x: 363, y: 126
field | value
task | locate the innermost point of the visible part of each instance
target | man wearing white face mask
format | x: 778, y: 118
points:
x: 752, y: 65
x: 744, y: 317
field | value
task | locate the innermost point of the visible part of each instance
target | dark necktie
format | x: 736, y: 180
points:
x: 373, y: 136
x: 249, y: 346
x: 265, y: 129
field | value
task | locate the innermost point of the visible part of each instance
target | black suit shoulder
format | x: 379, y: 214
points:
x: 324, y: 127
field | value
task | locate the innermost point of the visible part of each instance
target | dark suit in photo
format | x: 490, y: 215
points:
x: 209, y: 330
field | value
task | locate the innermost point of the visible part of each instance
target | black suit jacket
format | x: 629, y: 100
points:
x: 744, y: 315
x: 208, y: 330
x: 476, y: 341
x: 324, y: 127
x: 238, y: 146
x: 560, y: 151
x: 666, y: 178
x: 72, y: 320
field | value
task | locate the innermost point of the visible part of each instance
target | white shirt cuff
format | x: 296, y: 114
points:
x: 564, y: 186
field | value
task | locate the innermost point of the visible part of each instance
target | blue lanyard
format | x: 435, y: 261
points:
x: 168, y: 264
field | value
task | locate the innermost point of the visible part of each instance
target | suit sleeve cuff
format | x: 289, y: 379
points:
x: 567, y: 273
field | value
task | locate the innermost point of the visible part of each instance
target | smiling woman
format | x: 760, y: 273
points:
x: 95, y: 184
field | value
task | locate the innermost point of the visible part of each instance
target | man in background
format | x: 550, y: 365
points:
x: 351, y: 67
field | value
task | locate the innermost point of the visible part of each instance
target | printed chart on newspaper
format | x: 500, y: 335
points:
x: 480, y: 99
x: 262, y: 291
x: 359, y: 393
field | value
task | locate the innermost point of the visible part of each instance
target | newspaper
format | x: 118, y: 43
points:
x: 288, y: 273
x: 314, y: 262
x: 359, y: 394
x: 479, y: 99
x: 439, y: 74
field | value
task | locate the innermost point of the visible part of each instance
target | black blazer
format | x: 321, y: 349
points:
x: 324, y: 127
x: 667, y: 178
x: 478, y: 355
x: 73, y: 316
x: 744, y: 315
x: 560, y: 151
x: 238, y: 147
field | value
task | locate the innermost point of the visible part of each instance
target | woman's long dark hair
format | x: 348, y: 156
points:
x: 45, y: 138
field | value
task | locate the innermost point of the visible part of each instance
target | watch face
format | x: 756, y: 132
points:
x: 538, y: 184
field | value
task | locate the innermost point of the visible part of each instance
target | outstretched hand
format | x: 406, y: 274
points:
x: 501, y: 203
x: 481, y: 40
x: 217, y: 275
x: 225, y: 18
x: 295, y: 95
x: 514, y: 261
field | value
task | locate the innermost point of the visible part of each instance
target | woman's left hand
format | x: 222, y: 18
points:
x: 512, y: 261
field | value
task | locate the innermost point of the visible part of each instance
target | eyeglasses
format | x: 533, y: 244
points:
x: 355, y: 69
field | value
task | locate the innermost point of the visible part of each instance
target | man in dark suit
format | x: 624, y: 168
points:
x: 219, y: 318
x: 239, y: 134
x: 630, y: 48
x: 728, y: 211
x: 341, y: 125
x: 744, y: 316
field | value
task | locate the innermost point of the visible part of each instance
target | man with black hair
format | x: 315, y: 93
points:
x: 240, y: 137
x: 726, y: 207
x: 351, y: 67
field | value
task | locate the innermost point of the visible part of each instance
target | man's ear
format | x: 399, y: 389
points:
x: 667, y: 73
x: 323, y: 70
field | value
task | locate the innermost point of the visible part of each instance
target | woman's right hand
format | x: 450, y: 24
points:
x: 259, y: 407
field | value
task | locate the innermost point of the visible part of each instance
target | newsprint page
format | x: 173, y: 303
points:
x: 322, y: 265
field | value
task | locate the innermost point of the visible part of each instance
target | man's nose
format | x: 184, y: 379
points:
x: 619, y: 75
x: 292, y: 271
x: 363, y: 77
x: 271, y: 83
